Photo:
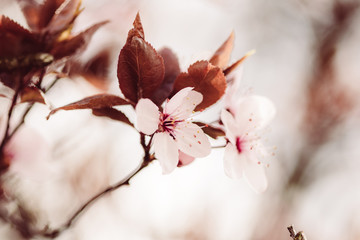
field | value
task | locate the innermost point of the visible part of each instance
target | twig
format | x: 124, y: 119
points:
x: 147, y: 159
x: 6, y: 137
x: 56, y: 232
x: 30, y: 107
x: 296, y: 236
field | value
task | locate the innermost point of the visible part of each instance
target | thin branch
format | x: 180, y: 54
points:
x: 147, y: 159
x: 6, y: 137
x: 296, y: 236
x: 56, y: 232
x: 30, y: 107
x: 221, y: 146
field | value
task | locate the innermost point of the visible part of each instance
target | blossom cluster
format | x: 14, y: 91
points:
x: 164, y: 98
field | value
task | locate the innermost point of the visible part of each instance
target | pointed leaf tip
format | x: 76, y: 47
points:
x: 238, y: 62
x: 222, y: 55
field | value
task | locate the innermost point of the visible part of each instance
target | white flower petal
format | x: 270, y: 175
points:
x: 254, y: 112
x: 254, y: 174
x: 166, y: 151
x: 233, y: 88
x: 147, y: 116
x: 192, y: 140
x: 233, y: 162
x: 176, y: 100
x: 181, y: 106
x: 231, y: 128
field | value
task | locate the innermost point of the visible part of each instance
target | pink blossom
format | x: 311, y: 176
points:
x: 244, y: 152
x: 172, y: 129
x: 28, y: 153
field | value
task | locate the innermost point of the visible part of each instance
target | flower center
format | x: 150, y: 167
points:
x: 238, y: 145
x: 168, y: 124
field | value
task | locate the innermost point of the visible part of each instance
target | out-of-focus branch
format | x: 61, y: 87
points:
x: 327, y: 101
x: 53, y: 233
x: 56, y: 232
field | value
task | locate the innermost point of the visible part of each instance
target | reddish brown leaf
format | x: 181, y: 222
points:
x: 140, y: 70
x: 64, y: 16
x: 76, y: 44
x: 172, y: 70
x: 137, y: 30
x: 112, y: 113
x: 93, y: 102
x: 32, y: 94
x: 205, y: 78
x: 30, y: 9
x: 47, y: 11
x: 15, y: 40
x: 237, y: 63
x: 222, y: 56
x: 211, y: 131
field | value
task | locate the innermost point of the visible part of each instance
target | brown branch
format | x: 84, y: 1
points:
x: 6, y: 137
x: 296, y: 236
x: 147, y: 159
x: 26, y: 112
x: 56, y: 232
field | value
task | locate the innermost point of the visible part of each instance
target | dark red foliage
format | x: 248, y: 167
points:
x: 72, y: 46
x: 205, y: 78
x: 172, y: 70
x: 93, y: 102
x: 222, y: 56
x: 140, y: 68
x: 23, y: 52
x: 113, y: 114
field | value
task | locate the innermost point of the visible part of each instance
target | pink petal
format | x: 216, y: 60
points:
x: 184, y: 159
x: 192, y: 140
x: 147, y: 116
x: 233, y: 88
x: 231, y: 128
x: 254, y: 174
x: 233, y: 162
x: 166, y: 151
x: 182, y: 105
x: 29, y: 153
x: 254, y: 112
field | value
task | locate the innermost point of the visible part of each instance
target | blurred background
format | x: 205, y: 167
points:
x: 307, y: 62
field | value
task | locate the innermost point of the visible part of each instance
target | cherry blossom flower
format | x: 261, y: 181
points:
x: 244, y: 152
x: 173, y: 130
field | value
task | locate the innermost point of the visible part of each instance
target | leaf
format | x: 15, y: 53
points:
x: 112, y: 113
x: 211, y: 131
x: 137, y: 30
x: 30, y: 9
x: 205, y: 78
x: 238, y: 62
x: 222, y: 55
x: 172, y: 70
x: 47, y: 11
x: 93, y: 102
x: 32, y: 94
x: 15, y: 40
x: 76, y: 44
x: 140, y: 70
x: 64, y: 16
